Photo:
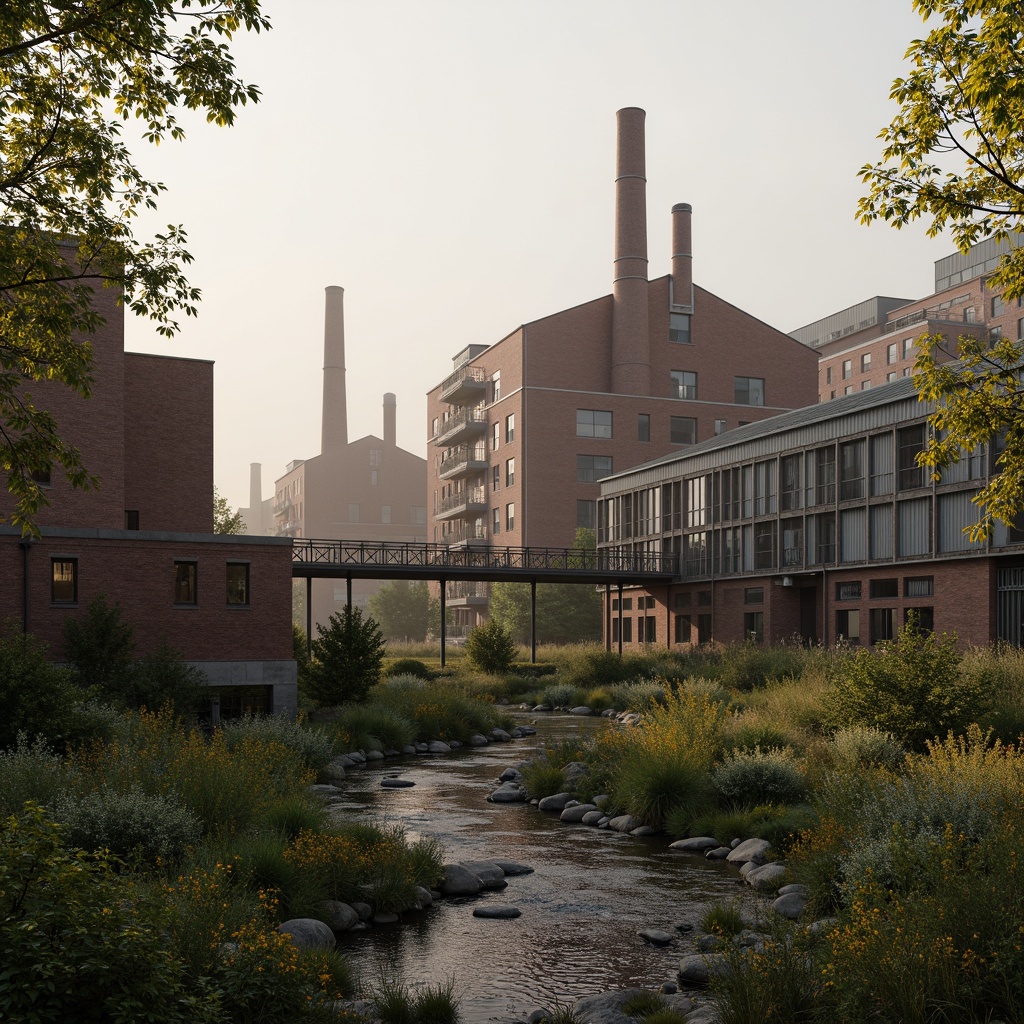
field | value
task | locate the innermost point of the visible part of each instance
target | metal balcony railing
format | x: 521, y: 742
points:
x: 460, y: 458
x: 472, y: 376
x: 460, y: 420
x: 463, y: 499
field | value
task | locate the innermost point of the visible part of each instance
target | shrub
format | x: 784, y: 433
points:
x: 409, y: 667
x: 348, y: 654
x: 642, y: 1004
x: 780, y: 826
x: 490, y: 647
x: 314, y: 746
x: 101, y: 649
x: 368, y: 726
x: 394, y: 1003
x: 289, y: 815
x: 861, y: 747
x: 542, y: 778
x: 911, y: 687
x: 651, y: 787
x: 759, y: 777
x: 439, y: 711
x: 666, y: 1015
x: 31, y: 771
x: 637, y: 695
x: 750, y: 665
x: 722, y: 919
x: 162, y: 678
x: 560, y: 695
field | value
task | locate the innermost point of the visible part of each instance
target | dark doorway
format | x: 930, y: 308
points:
x: 809, y: 615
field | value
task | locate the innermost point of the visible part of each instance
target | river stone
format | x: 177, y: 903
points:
x: 751, y: 849
x: 557, y: 802
x: 624, y: 823
x: 601, y: 800
x: 767, y: 877
x: 357, y: 757
x: 344, y: 761
x: 695, y: 844
x: 592, y: 817
x: 796, y: 887
x: 537, y: 1016
x: 339, y: 917
x: 476, y: 740
x: 668, y: 988
x: 655, y: 936
x: 505, y: 913
x: 645, y: 830
x: 458, y: 880
x: 510, y: 775
x: 334, y: 770
x: 488, y: 872
x: 364, y: 910
x: 375, y: 755
x: 325, y: 789
x: 391, y: 752
x: 790, y: 906
x: 719, y: 853
x: 409, y: 748
x: 582, y: 711
x: 396, y: 783
x: 308, y: 933
x: 528, y: 730
x: 508, y: 793
x: 385, y: 917
x: 438, y: 747
x: 606, y: 1008
x: 511, y: 868
x: 697, y: 969
x: 455, y: 744
x: 574, y: 815
x: 500, y: 735
x: 541, y: 707
x: 574, y: 772
x: 422, y: 748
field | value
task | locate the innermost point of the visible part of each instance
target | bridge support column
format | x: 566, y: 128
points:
x: 620, y: 618
x: 444, y: 630
x: 348, y: 593
x: 309, y: 617
x: 533, y: 622
x: 607, y: 616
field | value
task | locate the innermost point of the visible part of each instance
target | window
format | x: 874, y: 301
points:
x: 997, y: 305
x: 865, y: 385
x: 753, y: 595
x: 890, y: 377
x: 433, y: 427
x: 848, y: 625
x: 683, y: 430
x: 374, y: 459
x: 64, y: 581
x: 238, y: 583
x: 496, y: 478
x: 919, y: 586
x: 828, y: 374
x: 684, y: 629
x: 510, y: 428
x: 792, y: 482
x: 185, y: 582
x: 586, y: 513
x: 684, y: 384
x: 703, y: 597
x: 970, y: 314
x: 753, y: 626
x: 643, y: 427
x: 847, y: 369
x: 418, y: 515
x: 882, y: 620
x: 892, y: 354
x: 764, y: 545
x: 910, y: 441
x: 703, y: 629
x: 353, y: 512
x: 385, y: 513
x: 1020, y: 329
x: 495, y: 436
x: 908, y: 347
x: 923, y: 619
x: 510, y: 516
x: 682, y: 600
x: 848, y: 390
x: 848, y: 591
x: 881, y: 589
x: 510, y: 472
x: 590, y: 468
x: 720, y: 427
x: 748, y: 390
x: 852, y: 470
x: 865, y: 362
x: 131, y: 518
x: 496, y: 386
x: 592, y: 423
x: 373, y: 477
x: 41, y: 477
x: 825, y: 476
x: 627, y: 631
x: 679, y: 328
x: 645, y: 629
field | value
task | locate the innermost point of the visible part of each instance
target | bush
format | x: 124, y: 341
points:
x: 369, y: 726
x: 101, y: 649
x: 161, y: 678
x: 347, y: 659
x: 860, y: 747
x: 643, y: 1004
x: 560, y: 695
x: 760, y: 777
x: 394, y: 1003
x: 30, y: 771
x: 722, y: 919
x: 490, y: 647
x: 409, y: 667
x: 314, y: 746
x: 542, y: 778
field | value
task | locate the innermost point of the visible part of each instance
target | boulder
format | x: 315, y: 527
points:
x: 573, y: 773
x: 601, y: 800
x: 508, y: 793
x: 574, y: 815
x: 421, y: 747
x: 409, y: 748
x: 505, y: 913
x: 438, y: 747
x: 396, y: 783
x: 767, y: 877
x: 582, y: 711
x: 790, y: 906
x: 357, y: 757
x: 364, y: 910
x: 542, y: 707
x: 606, y: 1008
x: 695, y: 844
x: 718, y: 853
x: 624, y: 823
x: 335, y: 771
x: 698, y: 970
x: 458, y: 880
x: 645, y: 830
x: 592, y: 817
x: 500, y: 735
x: 308, y: 933
x: 339, y: 917
x: 492, y: 876
x: 423, y: 898
x: 455, y: 744
x: 511, y: 868
x: 796, y: 887
x: 476, y: 740
x: 558, y: 802
x: 655, y: 936
x: 510, y: 775
x: 375, y: 755
x: 751, y: 849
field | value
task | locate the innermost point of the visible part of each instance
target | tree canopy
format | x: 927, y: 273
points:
x: 73, y: 74
x: 226, y: 519
x: 953, y: 156
x: 405, y: 610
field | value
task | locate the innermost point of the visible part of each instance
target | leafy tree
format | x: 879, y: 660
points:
x: 73, y: 73
x: 224, y: 520
x: 962, y: 105
x: 490, y: 647
x: 404, y: 609
x: 347, y: 658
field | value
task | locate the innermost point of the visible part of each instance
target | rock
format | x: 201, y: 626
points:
x: 573, y: 773
x: 796, y: 887
x: 505, y: 913
x: 645, y: 830
x: 409, y: 748
x: 607, y: 1007
x: 790, y: 906
x: 500, y: 735
x: 375, y: 755
x: 391, y: 752
x: 542, y: 707
x: 476, y: 740
x: 508, y: 793
x: 574, y: 815
x: 601, y: 800
x: 460, y: 881
x: 751, y: 849
x: 364, y: 910
x: 582, y: 711
x: 385, y: 917
x: 488, y: 872
x: 308, y: 933
x: 334, y: 770
x: 823, y: 924
x: 537, y: 1016
x: 438, y: 747
x: 455, y: 744
x: 325, y: 789
x: 511, y: 868
x: 422, y: 748
x: 528, y: 730
x: 766, y: 878
x: 624, y: 823
x: 708, y: 943
x: 592, y: 817
x: 423, y: 898
x: 510, y: 775
x: 696, y: 844
x: 668, y: 988
x: 683, y: 926
x: 339, y: 917
x: 396, y: 783
x: 698, y: 970
x: 655, y: 936
x: 719, y: 853
x: 344, y: 761
x: 557, y: 802
x: 357, y: 757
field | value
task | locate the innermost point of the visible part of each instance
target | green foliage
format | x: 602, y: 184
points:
x: 542, y: 778
x: 437, y: 710
x: 561, y: 695
x: 911, y: 687
x: 643, y: 1004
x: 100, y: 648
x: 858, y: 747
x: 404, y: 609
x: 72, y: 77
x: 666, y: 1015
x: 409, y: 667
x: 300, y: 652
x: 490, y: 647
x: 224, y: 519
x: 722, y: 919
x: 651, y: 789
x: 30, y: 771
x: 750, y: 665
x: 79, y: 942
x: 347, y: 659
x: 312, y: 745
x: 373, y: 726
x: 567, y: 613
x: 759, y: 777
x: 395, y: 1003
x: 161, y: 678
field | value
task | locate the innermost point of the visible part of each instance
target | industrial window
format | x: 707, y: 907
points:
x: 792, y: 482
x: 185, y: 580
x: 848, y: 591
x: 765, y: 487
x: 825, y: 476
x: 496, y: 520
x: 64, y: 581
x: 684, y: 384
x: 643, y: 427
x: 793, y: 542
x: 882, y: 621
x: 679, y: 328
x: 881, y: 464
x: 748, y: 390
x: 848, y: 625
x: 510, y: 472
x: 683, y: 430
x: 753, y: 626
x: 586, y: 513
x: 385, y: 513
x: 753, y: 595
x: 852, y: 470
x: 847, y: 369
x: 510, y: 428
x: 764, y: 545
x: 919, y: 586
x: 881, y: 589
x: 593, y: 423
x: 590, y: 468
x: 865, y: 362
x: 238, y: 583
x: 510, y: 516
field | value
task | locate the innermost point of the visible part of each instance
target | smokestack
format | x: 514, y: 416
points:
x: 334, y: 418
x: 389, y: 420
x: 256, y: 495
x: 682, y: 256
x: 631, y: 369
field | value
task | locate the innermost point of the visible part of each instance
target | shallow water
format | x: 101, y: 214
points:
x: 581, y: 908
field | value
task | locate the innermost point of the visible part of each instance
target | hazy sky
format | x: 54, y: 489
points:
x: 450, y: 163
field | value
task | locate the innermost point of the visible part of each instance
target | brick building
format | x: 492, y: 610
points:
x: 522, y: 430
x: 144, y: 537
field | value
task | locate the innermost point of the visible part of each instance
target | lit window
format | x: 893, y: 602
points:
x: 495, y: 436
x: 753, y: 626
x: 238, y: 583
x: 593, y: 423
x: 185, y: 574
x: 684, y: 384
x: 848, y: 625
x: 64, y: 580
x: 749, y: 390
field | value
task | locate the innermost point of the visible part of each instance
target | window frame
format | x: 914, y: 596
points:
x: 70, y: 561
x: 587, y: 424
x: 246, y: 592
x: 739, y: 389
x: 184, y: 585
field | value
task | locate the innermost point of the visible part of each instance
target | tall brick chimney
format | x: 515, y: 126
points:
x: 334, y: 418
x: 256, y: 494
x: 389, y: 420
x: 631, y: 363
x: 682, y: 256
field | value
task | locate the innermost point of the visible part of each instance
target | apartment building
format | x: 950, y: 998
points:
x: 144, y: 538
x: 521, y: 431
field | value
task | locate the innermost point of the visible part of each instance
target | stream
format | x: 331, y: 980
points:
x: 581, y: 908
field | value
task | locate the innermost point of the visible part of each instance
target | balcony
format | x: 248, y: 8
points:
x: 463, y: 460
x: 466, y: 384
x: 462, y: 426
x: 281, y: 507
x: 470, y: 500
x: 465, y: 594
x: 467, y: 535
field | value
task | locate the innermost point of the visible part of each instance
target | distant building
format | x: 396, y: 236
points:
x: 521, y: 431
x: 144, y: 538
